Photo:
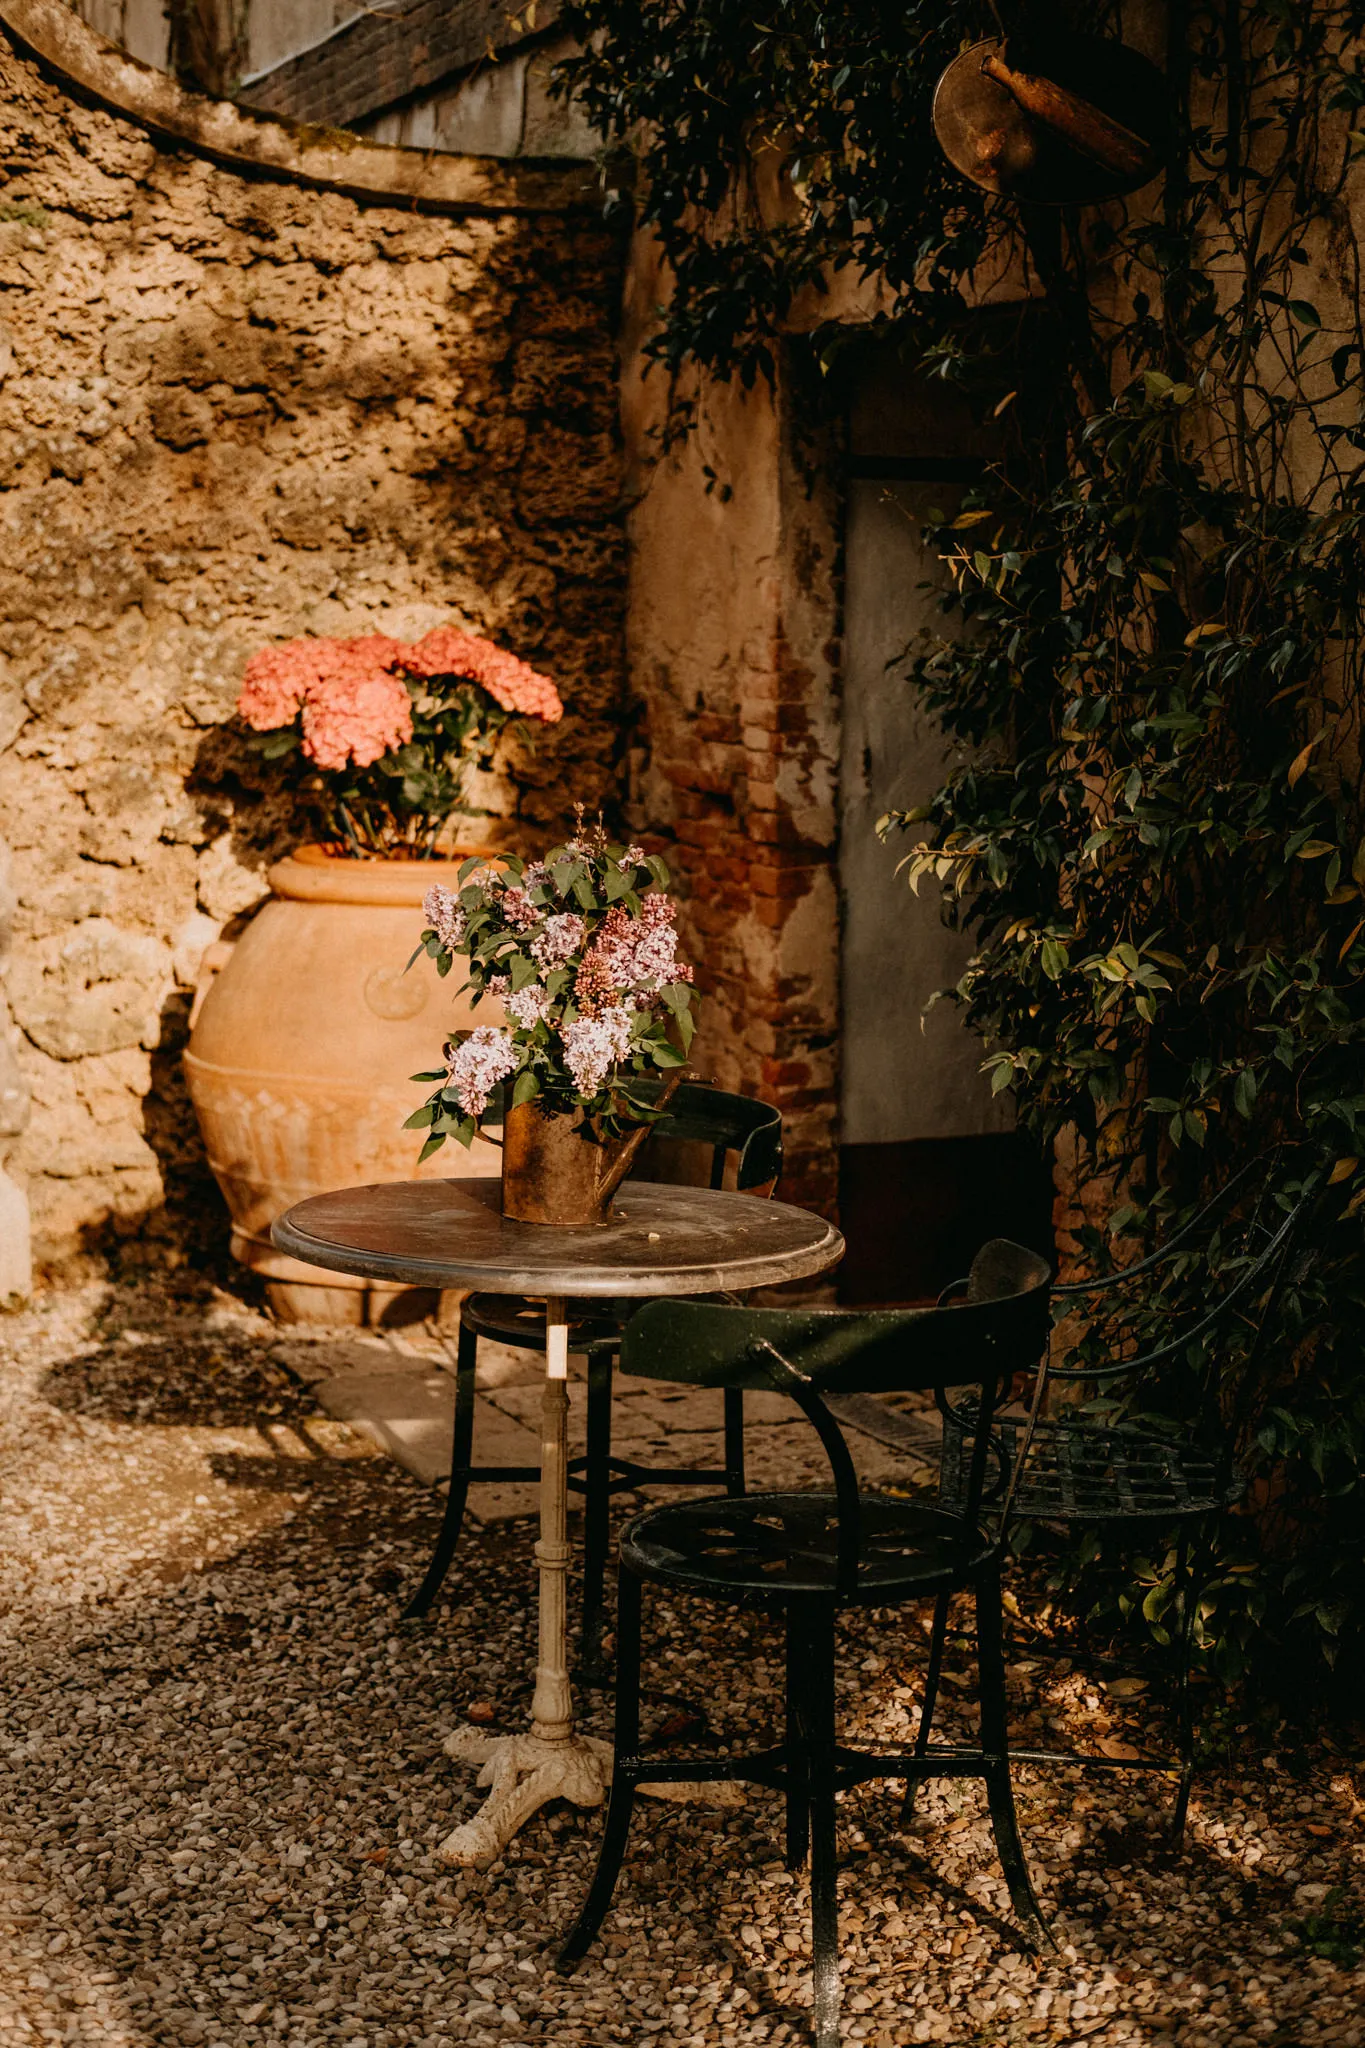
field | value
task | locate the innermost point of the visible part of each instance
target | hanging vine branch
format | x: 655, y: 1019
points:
x: 1155, y: 833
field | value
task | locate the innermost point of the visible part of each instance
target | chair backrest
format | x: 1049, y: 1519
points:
x: 1211, y: 1284
x: 980, y: 1344
x: 737, y: 1124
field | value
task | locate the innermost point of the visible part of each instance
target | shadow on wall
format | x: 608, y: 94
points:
x: 285, y: 413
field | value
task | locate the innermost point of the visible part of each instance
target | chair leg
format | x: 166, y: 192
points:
x: 1186, y: 1582
x: 798, y: 1782
x: 457, y: 1493
x: 621, y: 1799
x: 596, y: 1514
x: 734, y: 1440
x: 932, y: 1677
x: 995, y: 1742
x: 811, y: 1652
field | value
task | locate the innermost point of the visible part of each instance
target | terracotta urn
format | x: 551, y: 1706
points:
x: 305, y: 1032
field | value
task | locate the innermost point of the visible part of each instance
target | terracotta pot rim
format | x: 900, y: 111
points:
x: 311, y: 874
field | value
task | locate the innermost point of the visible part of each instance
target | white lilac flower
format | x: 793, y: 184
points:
x: 593, y: 1045
x: 518, y: 908
x: 443, y: 912
x: 633, y: 857
x: 476, y: 1066
x: 559, y: 941
x: 528, y: 1006
x: 535, y: 875
x: 498, y: 984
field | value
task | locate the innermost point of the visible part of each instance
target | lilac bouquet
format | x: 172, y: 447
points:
x: 581, y: 950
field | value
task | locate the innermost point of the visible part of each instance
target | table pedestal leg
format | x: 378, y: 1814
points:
x: 524, y: 1772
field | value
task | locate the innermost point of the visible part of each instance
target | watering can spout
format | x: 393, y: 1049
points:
x: 623, y: 1154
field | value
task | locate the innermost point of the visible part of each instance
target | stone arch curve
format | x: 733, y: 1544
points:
x: 96, y: 71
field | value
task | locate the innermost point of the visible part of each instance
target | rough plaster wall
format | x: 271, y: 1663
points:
x: 233, y: 411
x: 733, y: 597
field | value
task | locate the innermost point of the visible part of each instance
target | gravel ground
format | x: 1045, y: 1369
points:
x: 224, y: 1780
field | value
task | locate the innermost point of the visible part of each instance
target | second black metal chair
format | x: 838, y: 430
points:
x: 1111, y: 1464
x: 733, y: 1128
x: 804, y: 1556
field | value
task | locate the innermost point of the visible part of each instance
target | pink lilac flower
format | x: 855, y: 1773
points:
x: 593, y: 1045
x: 561, y: 937
x: 513, y: 684
x: 356, y: 718
x: 535, y: 875
x: 529, y: 1006
x: 633, y: 857
x: 518, y: 908
x: 595, y: 985
x: 498, y: 985
x: 638, y: 955
x: 476, y: 1066
x: 444, y: 913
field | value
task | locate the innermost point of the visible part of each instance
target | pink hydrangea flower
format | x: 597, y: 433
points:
x: 510, y: 682
x: 357, y: 717
x: 593, y: 1046
x: 559, y: 941
x: 280, y: 680
x: 476, y: 1066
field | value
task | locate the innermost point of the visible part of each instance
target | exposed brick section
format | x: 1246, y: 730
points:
x: 731, y: 611
x: 380, y: 59
x: 233, y: 411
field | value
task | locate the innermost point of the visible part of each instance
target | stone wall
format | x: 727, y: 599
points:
x: 235, y: 409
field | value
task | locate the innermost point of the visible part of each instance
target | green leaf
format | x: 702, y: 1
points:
x: 526, y: 1087
x: 433, y: 1144
x: 421, y: 1118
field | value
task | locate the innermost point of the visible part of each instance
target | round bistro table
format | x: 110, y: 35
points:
x: 660, y: 1241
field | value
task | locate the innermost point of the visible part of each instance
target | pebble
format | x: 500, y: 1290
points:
x: 225, y: 1783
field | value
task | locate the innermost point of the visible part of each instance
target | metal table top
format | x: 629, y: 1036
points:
x: 660, y: 1240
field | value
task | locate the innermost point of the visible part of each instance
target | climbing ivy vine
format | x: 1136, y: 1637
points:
x: 1154, y: 829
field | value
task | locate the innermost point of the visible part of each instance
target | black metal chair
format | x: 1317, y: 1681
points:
x: 1113, y: 1464
x: 734, y: 1127
x: 806, y: 1555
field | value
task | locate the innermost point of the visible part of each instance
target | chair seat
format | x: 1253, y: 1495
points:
x: 516, y: 1320
x: 773, y: 1548
x: 1077, y: 1472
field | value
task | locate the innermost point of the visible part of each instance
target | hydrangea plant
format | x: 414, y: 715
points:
x: 381, y: 732
x: 581, y: 950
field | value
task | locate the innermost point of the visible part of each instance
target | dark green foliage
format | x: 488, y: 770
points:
x: 1154, y: 828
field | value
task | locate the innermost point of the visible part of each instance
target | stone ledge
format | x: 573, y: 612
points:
x: 94, y: 70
